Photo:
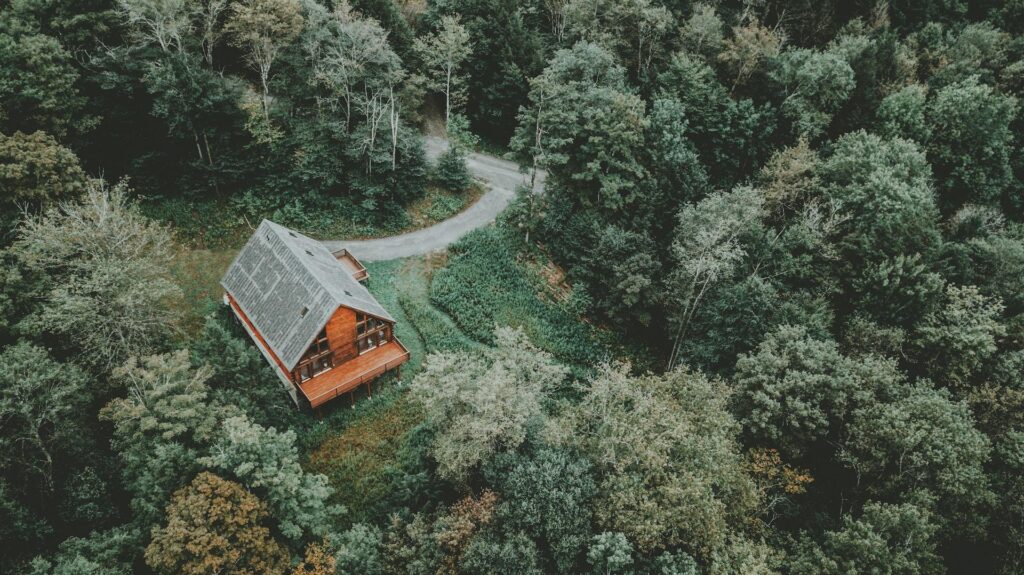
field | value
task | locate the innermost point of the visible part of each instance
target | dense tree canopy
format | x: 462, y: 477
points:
x: 761, y: 310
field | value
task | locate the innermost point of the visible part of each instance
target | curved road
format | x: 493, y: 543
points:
x: 501, y: 178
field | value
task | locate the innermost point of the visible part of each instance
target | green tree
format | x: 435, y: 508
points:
x: 444, y: 52
x: 707, y: 250
x: 267, y: 462
x: 903, y: 114
x: 887, y: 232
x: 166, y: 23
x: 955, y: 341
x: 971, y: 143
x: 610, y: 553
x: 797, y: 391
x: 161, y: 425
x: 624, y: 270
x: 38, y: 87
x: 35, y: 170
x: 815, y: 86
x: 481, y: 405
x: 359, y: 550
x: 732, y: 136
x: 887, y: 538
x: 547, y: 495
x: 264, y: 28
x: 41, y: 403
x: 586, y: 127
x: 214, y: 526
x: 665, y: 452
x: 702, y: 33
x: 748, y: 49
x: 923, y: 446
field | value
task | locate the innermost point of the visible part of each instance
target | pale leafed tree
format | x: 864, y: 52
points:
x: 480, y: 405
x: 556, y: 16
x: 749, y: 47
x: 703, y: 32
x: 106, y: 268
x: 665, y: 449
x: 163, y: 22
x: 210, y: 15
x: 444, y: 52
x: 708, y: 249
x: 354, y: 64
x: 263, y: 28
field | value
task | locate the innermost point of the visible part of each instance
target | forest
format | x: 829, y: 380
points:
x: 765, y: 317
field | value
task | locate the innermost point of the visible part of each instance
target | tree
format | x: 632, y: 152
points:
x: 707, y: 250
x: 887, y: 235
x: 632, y: 29
x: 797, y: 391
x: 586, y: 127
x: 610, y: 553
x: 886, y: 538
x: 38, y: 87
x: 214, y: 526
x: 971, y: 143
x: 481, y: 405
x: 790, y: 179
x: 624, y: 268
x: 444, y: 52
x: 358, y: 550
x: 210, y: 26
x: 731, y: 136
x: 923, y: 446
x: 451, y: 172
x: 36, y: 171
x: 902, y: 114
x: 110, y: 552
x: 161, y: 425
x: 318, y: 561
x: 267, y: 462
x: 166, y: 23
x: 264, y: 28
x: 815, y: 85
x: 41, y: 403
x: 548, y: 496
x: 665, y: 452
x: 956, y: 340
x: 108, y: 289
x: 491, y: 552
x: 703, y: 33
x: 748, y: 48
x: 166, y: 400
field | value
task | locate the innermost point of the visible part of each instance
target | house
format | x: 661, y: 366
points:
x: 304, y: 307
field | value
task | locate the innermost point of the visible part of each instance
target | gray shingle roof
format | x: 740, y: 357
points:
x: 289, y: 286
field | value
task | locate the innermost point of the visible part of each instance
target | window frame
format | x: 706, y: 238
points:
x: 371, y: 333
x: 319, y: 358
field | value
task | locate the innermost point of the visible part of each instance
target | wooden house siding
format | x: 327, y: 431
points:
x: 341, y: 334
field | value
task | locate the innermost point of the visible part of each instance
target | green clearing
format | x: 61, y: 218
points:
x: 442, y: 303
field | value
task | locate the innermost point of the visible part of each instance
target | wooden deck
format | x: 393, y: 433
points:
x: 353, y: 373
x: 353, y: 266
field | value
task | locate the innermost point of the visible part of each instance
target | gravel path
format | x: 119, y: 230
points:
x: 501, y: 178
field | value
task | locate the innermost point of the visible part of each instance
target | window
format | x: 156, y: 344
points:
x: 317, y: 359
x: 371, y: 332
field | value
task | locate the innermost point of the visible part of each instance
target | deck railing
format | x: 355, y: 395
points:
x: 365, y: 376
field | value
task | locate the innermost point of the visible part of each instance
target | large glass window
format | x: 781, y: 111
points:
x: 371, y: 332
x: 318, y: 359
